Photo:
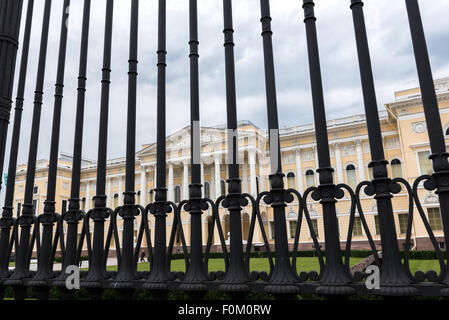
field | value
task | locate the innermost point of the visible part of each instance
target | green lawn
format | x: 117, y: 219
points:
x: 303, y: 264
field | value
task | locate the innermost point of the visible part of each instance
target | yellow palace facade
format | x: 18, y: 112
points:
x: 406, y: 148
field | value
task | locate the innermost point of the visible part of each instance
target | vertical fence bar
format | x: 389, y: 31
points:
x: 11, y: 16
x: 27, y: 218
x: 440, y: 177
x: 73, y: 215
x: 127, y: 272
x: 158, y: 276
x: 195, y: 274
x: 48, y: 218
x: 236, y: 275
x: 335, y: 278
x: 99, y: 213
x: 6, y: 221
x: 282, y: 280
x: 393, y: 278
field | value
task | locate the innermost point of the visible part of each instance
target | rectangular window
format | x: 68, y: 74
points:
x: 35, y: 190
x: 272, y: 230
x: 315, y: 227
x: 19, y: 209
x: 35, y: 206
x: 293, y: 225
x: 376, y: 224
x: 435, y: 219
x: 65, y: 186
x: 425, y: 165
x: 403, y: 220
x: 370, y: 173
x: 357, y: 229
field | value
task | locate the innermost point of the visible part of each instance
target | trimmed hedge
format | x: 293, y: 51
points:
x: 418, y: 255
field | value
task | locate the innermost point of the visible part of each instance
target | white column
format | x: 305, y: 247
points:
x: 340, y: 177
x: 358, y: 147
x: 185, y: 181
x: 299, y: 179
x: 252, y: 172
x: 109, y: 198
x: 244, y: 177
x: 202, y: 172
x: 171, y: 195
x: 202, y: 177
x: 143, y: 186
x: 120, y: 190
x: 155, y: 177
x: 261, y: 173
x: 217, y: 177
x: 87, y: 195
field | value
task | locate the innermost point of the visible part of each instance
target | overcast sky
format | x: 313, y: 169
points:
x: 389, y: 39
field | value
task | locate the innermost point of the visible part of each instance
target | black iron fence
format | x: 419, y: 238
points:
x: 283, y: 280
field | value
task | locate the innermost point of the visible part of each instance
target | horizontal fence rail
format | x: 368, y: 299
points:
x: 53, y: 234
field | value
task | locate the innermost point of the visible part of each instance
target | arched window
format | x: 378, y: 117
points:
x: 116, y: 200
x: 138, y: 197
x: 396, y: 168
x: 223, y: 187
x: 209, y: 226
x: 351, y: 176
x: 310, y: 178
x: 177, y: 194
x: 207, y: 190
x: 291, y: 180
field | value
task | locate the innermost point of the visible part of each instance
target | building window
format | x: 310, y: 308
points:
x: 403, y: 221
x: 315, y: 227
x: 138, y: 197
x: 35, y: 190
x: 83, y: 204
x: 357, y: 228
x: 209, y: 226
x: 338, y: 228
x: 291, y: 180
x: 207, y: 190
x: 177, y: 194
x: 272, y: 230
x: 115, y: 200
x: 396, y: 168
x: 65, y: 186
x: 425, y: 165
x: 35, y: 206
x: 310, y: 178
x: 376, y: 224
x: 351, y: 176
x: 178, y: 237
x: 19, y: 208
x: 223, y: 187
x: 293, y: 224
x: 435, y: 219
x: 151, y: 196
x: 370, y: 173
